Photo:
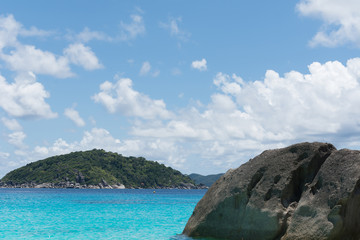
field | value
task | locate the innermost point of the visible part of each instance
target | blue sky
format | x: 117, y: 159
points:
x: 201, y: 86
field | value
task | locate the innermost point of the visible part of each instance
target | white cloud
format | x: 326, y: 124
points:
x: 87, y: 35
x: 241, y: 119
x: 245, y: 118
x: 341, y: 21
x: 121, y: 97
x: 34, y: 32
x: 74, y: 116
x: 25, y: 58
x: 228, y: 85
x: 173, y: 26
x: 83, y: 56
x: 96, y: 138
x: 130, y: 31
x: 17, y: 138
x: 28, y: 58
x: 199, y: 65
x: 9, y: 29
x: 11, y: 124
x: 25, y: 97
x: 145, y: 68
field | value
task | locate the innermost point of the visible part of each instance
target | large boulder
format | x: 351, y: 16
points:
x: 304, y: 191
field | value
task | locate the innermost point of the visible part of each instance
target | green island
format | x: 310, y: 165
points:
x: 96, y: 169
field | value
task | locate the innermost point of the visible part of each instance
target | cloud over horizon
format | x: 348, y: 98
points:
x: 241, y: 119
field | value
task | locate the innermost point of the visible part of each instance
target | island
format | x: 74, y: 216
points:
x: 96, y: 169
x: 206, y: 180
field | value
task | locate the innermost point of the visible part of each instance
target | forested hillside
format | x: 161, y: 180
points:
x: 98, y: 167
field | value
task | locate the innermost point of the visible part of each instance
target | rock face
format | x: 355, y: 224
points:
x: 305, y: 191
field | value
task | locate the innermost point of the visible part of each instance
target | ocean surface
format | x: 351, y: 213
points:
x: 95, y: 213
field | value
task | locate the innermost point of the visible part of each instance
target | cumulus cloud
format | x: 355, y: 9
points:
x: 121, y: 97
x: 11, y: 124
x: 83, y: 56
x: 28, y: 58
x: 199, y: 65
x: 136, y: 27
x: 244, y: 118
x: 341, y: 21
x: 241, y: 119
x: 228, y: 85
x: 25, y: 58
x: 74, y: 116
x: 276, y: 109
x: 25, y: 97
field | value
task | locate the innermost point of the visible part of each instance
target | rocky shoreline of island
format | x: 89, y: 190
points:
x: 101, y: 185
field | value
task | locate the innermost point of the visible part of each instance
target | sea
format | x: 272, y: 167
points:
x: 96, y: 213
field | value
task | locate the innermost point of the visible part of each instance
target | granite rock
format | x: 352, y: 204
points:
x: 304, y: 191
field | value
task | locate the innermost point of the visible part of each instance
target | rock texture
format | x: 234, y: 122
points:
x: 305, y: 191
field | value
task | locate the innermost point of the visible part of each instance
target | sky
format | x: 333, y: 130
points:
x: 200, y: 86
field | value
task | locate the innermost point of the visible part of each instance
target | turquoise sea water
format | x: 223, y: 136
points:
x: 95, y: 214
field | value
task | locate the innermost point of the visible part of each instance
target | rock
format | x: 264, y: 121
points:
x: 104, y: 183
x: 330, y: 208
x: 80, y: 178
x: 305, y: 191
x: 44, y: 185
x: 118, y: 186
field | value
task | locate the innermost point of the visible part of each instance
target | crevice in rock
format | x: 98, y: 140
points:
x: 277, y: 179
x: 255, y: 180
x: 268, y: 194
x: 284, y: 226
x: 315, y: 188
x: 304, y: 175
x: 350, y: 212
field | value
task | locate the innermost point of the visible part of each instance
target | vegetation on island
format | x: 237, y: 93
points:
x: 98, y: 166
